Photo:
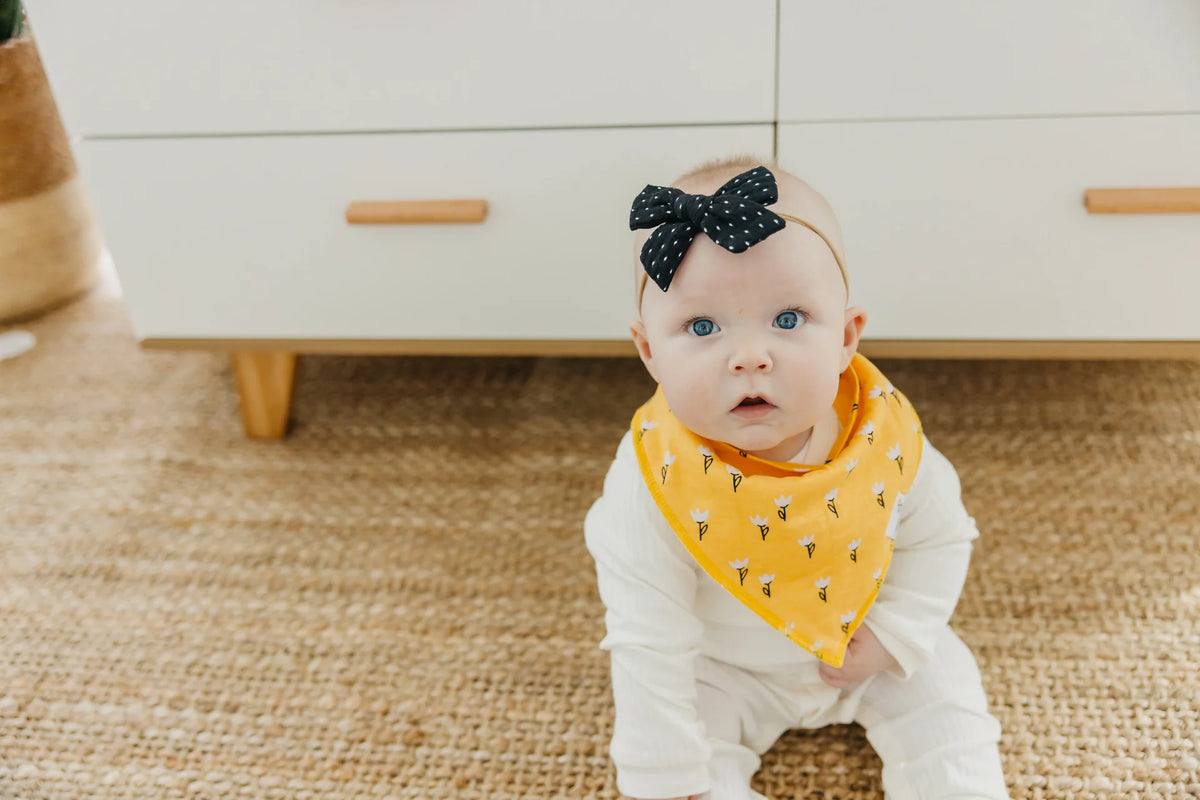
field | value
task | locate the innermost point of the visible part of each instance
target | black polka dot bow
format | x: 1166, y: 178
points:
x: 734, y: 217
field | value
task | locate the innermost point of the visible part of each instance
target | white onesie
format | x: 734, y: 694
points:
x: 702, y: 686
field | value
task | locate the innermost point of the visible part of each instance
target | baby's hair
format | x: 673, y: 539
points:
x: 724, y: 168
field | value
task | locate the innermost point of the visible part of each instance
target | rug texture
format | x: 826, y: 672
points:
x: 396, y: 600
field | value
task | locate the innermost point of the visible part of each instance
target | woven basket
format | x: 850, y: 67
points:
x: 49, y: 240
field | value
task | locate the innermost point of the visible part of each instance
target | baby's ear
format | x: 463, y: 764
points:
x: 856, y: 320
x: 637, y: 330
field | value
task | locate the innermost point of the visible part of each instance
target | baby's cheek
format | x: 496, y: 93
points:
x: 692, y: 414
x: 820, y: 380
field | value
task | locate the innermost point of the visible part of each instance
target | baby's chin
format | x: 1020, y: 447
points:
x: 784, y: 450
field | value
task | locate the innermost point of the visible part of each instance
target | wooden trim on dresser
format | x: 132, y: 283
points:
x: 1024, y: 349
x: 265, y: 370
x: 872, y: 348
x: 406, y: 347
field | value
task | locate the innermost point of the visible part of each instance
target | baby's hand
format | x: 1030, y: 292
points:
x: 865, y: 656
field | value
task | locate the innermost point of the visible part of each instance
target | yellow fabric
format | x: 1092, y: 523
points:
x: 806, y: 547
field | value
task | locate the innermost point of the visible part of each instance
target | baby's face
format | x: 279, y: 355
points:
x: 748, y: 347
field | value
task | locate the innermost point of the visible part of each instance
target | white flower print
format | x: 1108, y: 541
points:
x: 736, y: 474
x: 742, y: 565
x: 783, y: 502
x: 765, y: 580
x: 875, y: 393
x: 853, y: 548
x: 829, y: 502
x: 647, y: 425
x: 763, y: 528
x: 851, y: 465
x: 668, y: 460
x: 700, y: 518
x: 816, y: 647
x: 822, y: 585
x: 708, y: 457
x: 847, y: 618
x: 894, y: 454
x: 868, y: 431
x: 878, y: 490
x: 788, y: 628
x: 877, y: 575
x: 809, y: 544
x: 891, y: 392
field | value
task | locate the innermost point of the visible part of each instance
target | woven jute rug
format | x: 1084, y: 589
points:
x: 396, y: 601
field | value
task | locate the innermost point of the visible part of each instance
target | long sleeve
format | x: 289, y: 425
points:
x: 928, y: 567
x: 647, y: 582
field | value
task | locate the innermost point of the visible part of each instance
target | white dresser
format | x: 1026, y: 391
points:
x: 956, y: 141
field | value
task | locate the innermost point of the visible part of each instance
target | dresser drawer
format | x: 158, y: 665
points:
x: 942, y: 58
x: 246, y: 237
x: 150, y: 67
x: 976, y: 229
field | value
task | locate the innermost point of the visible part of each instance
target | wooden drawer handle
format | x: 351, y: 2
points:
x: 1173, y: 200
x: 415, y: 212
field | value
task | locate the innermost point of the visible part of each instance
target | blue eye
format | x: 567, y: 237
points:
x: 787, y: 320
x: 701, y: 327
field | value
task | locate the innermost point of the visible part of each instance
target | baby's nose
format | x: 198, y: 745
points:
x: 751, y: 359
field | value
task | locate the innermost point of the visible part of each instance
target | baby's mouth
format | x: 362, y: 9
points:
x: 752, y: 404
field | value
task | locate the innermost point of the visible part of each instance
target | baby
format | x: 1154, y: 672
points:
x: 777, y: 545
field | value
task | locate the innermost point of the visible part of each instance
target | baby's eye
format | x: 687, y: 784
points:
x: 702, y: 327
x: 788, y: 319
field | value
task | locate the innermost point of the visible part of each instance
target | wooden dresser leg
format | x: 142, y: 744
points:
x: 264, y: 382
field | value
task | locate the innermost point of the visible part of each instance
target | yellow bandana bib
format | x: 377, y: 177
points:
x: 805, y: 547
